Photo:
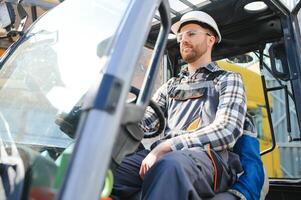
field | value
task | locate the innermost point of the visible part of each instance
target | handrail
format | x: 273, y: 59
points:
x: 267, y: 106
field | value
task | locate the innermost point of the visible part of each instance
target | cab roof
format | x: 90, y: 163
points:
x: 242, y: 30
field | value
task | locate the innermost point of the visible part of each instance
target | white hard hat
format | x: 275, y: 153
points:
x: 198, y: 16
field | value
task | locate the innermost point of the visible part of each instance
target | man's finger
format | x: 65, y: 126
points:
x: 142, y: 170
x: 146, y: 168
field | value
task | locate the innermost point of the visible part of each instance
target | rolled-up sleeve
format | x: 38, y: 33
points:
x: 227, y: 126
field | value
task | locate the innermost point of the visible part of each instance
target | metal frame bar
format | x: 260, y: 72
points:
x: 270, y: 71
x: 34, y: 13
x: 157, y: 17
x: 296, y: 8
x: 189, y: 4
x: 277, y: 7
x: 292, y: 44
x: 292, y: 47
x: 176, y: 13
x: 288, y: 117
x: 267, y: 106
x: 93, y: 126
x: 159, y: 47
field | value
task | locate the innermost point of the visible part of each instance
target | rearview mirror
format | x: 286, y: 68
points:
x: 279, y: 62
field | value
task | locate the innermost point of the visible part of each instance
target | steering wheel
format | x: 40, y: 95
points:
x: 158, y: 112
x: 68, y: 122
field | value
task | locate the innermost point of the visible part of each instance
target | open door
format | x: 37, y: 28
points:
x: 104, y: 108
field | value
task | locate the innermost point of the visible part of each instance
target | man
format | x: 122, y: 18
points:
x: 205, y: 109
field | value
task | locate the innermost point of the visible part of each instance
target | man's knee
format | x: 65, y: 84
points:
x: 170, y: 164
x: 173, y: 160
x: 178, y: 163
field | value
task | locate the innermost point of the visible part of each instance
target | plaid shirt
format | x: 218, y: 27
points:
x: 224, y: 128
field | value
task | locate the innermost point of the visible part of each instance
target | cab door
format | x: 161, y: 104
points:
x: 289, y: 55
x: 105, y: 103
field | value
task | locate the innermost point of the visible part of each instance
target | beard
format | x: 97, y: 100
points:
x: 192, y: 53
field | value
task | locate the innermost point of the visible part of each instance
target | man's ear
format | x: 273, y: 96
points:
x: 211, y: 41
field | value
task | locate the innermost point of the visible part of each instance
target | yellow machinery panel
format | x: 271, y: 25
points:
x: 256, y: 102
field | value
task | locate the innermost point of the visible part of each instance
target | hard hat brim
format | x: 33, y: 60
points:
x: 175, y: 27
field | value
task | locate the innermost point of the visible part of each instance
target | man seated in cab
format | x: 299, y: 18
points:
x: 208, y: 140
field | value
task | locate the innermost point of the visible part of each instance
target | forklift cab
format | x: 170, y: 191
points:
x: 74, y: 57
x: 261, y: 41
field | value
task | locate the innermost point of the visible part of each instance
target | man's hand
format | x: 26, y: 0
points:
x: 153, y: 156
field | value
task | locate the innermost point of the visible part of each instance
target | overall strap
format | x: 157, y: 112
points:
x: 214, y: 75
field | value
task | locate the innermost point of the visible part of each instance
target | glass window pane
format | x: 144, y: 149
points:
x: 196, y: 2
x: 281, y: 162
x: 285, y: 164
x: 177, y: 5
x: 155, y: 21
x: 141, y: 69
x: 290, y: 4
x: 299, y: 19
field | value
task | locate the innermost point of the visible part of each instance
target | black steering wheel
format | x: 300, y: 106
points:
x: 158, y: 112
x: 68, y: 122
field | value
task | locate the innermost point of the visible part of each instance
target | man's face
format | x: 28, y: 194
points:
x: 194, y: 42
